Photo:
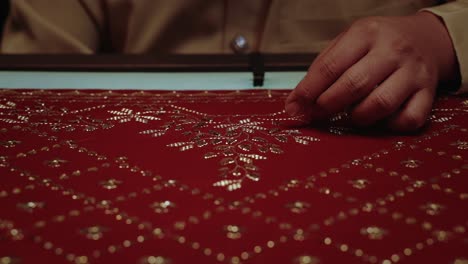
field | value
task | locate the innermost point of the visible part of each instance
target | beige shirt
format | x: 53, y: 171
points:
x: 205, y: 26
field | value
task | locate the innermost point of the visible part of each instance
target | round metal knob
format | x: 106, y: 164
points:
x: 239, y: 44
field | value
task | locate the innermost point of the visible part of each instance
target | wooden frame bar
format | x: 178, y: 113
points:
x: 153, y: 63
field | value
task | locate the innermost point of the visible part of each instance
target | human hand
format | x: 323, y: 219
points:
x: 381, y: 68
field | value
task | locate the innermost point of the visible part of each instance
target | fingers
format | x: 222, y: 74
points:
x: 414, y: 112
x: 295, y: 108
x: 356, y: 83
x: 330, y: 45
x: 325, y: 70
x: 385, y: 99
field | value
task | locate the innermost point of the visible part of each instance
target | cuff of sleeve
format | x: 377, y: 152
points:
x: 455, y: 17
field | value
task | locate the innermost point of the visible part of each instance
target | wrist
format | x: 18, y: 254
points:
x: 439, y: 42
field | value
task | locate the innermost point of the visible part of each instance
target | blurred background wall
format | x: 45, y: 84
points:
x: 4, y: 8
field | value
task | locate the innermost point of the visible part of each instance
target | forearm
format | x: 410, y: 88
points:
x: 455, y: 18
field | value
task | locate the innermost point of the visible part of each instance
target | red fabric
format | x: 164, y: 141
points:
x: 210, y: 177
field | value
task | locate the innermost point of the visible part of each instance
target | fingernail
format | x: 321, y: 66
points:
x: 293, y: 109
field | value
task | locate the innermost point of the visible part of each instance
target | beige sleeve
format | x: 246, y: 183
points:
x: 44, y: 26
x: 455, y: 17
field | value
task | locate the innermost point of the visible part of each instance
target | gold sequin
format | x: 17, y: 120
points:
x: 157, y: 232
x: 441, y: 235
x: 94, y: 232
x: 154, y: 260
x: 460, y: 261
x: 411, y: 163
x: 179, y: 225
x: 459, y: 229
x: 426, y: 226
x: 4, y: 161
x: 220, y: 257
x: 344, y: 247
x: 207, y: 251
x: 395, y: 258
x: 31, y: 206
x: 306, y: 259
x: 162, y: 207
x: 419, y: 246
x: 9, y: 143
x: 110, y: 184
x: 81, y: 260
x: 270, y: 244
x: 16, y: 234
x: 233, y: 231
x: 460, y: 144
x: 374, y: 232
x: 298, y: 207
x: 9, y: 260
x: 55, y: 163
x: 359, y: 183
x: 432, y: 208
x: 299, y: 235
x: 419, y: 184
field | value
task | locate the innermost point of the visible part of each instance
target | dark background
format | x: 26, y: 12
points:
x: 4, y: 8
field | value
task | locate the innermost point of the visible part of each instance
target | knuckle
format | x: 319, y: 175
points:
x: 402, y: 46
x: 369, y: 25
x: 328, y: 68
x: 355, y: 84
x: 384, y: 103
x: 303, y: 91
x: 423, y: 79
x: 427, y: 76
x: 425, y: 70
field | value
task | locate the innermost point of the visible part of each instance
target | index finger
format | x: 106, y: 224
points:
x: 344, y: 52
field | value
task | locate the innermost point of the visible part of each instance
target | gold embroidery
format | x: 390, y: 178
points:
x: 298, y: 207
x: 432, y: 208
x: 55, y: 163
x: 374, y: 232
x: 461, y: 260
x: 94, y: 232
x: 4, y: 161
x: 110, y: 184
x: 31, y: 206
x: 17, y: 120
x: 306, y: 259
x: 359, y: 183
x: 162, y: 207
x: 442, y: 236
x: 233, y: 231
x: 462, y: 145
x: 127, y: 115
x: 9, y: 143
x: 230, y: 140
x: 228, y: 161
x: 13, y: 232
x: 411, y: 163
x: 155, y: 260
x: 8, y: 105
x: 300, y: 235
x: 9, y: 260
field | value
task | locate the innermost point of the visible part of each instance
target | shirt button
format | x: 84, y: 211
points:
x: 239, y: 44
